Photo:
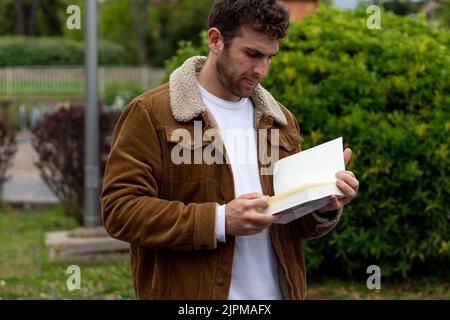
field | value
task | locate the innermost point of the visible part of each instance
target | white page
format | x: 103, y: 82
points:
x: 315, y: 165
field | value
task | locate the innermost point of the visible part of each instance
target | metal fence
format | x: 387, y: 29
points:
x: 69, y: 80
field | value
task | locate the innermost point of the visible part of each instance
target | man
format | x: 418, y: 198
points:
x: 195, y: 227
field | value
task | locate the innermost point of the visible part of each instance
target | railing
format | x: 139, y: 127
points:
x: 69, y: 80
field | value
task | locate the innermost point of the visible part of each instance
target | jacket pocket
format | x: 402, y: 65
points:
x: 186, y: 156
x: 287, y: 142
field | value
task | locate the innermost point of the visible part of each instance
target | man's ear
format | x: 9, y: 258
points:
x: 215, y: 40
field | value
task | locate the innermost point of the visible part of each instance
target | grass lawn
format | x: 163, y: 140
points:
x: 25, y: 272
x: 414, y: 289
x: 63, y: 89
x: 24, y: 88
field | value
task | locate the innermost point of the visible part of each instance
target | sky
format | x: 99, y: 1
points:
x: 345, y: 4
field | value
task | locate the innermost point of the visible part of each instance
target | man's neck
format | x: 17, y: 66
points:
x: 208, y: 80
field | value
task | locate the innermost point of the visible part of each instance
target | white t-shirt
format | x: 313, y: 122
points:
x: 254, y: 273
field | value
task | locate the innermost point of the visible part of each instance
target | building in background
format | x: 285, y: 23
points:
x: 301, y: 8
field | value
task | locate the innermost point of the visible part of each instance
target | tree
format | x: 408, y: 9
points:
x: 176, y: 21
x: 443, y: 12
x: 403, y: 7
x: 139, y: 10
x: 115, y: 23
x: 152, y: 29
x: 32, y: 17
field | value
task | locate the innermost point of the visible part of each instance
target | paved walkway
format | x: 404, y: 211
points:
x: 25, y: 185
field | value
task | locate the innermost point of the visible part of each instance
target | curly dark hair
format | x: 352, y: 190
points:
x: 270, y: 17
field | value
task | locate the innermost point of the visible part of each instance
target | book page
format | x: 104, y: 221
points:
x: 315, y: 165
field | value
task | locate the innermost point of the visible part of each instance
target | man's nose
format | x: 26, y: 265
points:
x: 261, y: 68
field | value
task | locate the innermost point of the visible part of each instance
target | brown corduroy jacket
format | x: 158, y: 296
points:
x: 166, y: 211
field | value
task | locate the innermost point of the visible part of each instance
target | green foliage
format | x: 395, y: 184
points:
x: 400, y: 7
x: 8, y: 148
x: 169, y: 22
x: 53, y: 51
x: 125, y: 92
x: 182, y: 22
x: 49, y: 18
x: 185, y: 51
x: 115, y: 24
x: 443, y: 13
x: 387, y: 93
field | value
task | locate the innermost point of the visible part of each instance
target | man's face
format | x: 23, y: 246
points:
x: 242, y: 65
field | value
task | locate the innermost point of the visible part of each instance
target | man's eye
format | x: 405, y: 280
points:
x: 254, y: 54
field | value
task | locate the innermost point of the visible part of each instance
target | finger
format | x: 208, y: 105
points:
x: 261, y: 219
x: 344, y: 173
x: 346, y: 189
x: 347, y: 156
x: 261, y: 202
x: 253, y: 195
x: 334, y: 204
x: 349, y: 178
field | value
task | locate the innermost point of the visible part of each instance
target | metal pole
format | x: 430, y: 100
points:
x: 91, y: 160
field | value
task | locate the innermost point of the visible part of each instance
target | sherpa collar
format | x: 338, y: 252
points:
x: 187, y: 104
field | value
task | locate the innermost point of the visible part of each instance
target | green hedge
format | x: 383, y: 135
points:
x: 22, y: 51
x: 387, y: 93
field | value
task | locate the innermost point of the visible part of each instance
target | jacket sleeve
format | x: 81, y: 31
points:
x: 315, y: 224
x: 131, y: 210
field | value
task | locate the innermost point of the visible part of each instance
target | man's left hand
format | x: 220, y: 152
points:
x: 347, y: 183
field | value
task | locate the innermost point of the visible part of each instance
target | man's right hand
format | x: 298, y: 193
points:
x: 242, y: 217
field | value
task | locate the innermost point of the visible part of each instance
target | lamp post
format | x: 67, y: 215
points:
x: 91, y: 132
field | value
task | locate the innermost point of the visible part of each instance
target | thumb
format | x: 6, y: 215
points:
x: 347, y: 156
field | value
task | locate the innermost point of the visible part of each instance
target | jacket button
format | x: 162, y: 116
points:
x: 220, y: 281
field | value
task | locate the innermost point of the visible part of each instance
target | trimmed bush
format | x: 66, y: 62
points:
x: 387, y: 93
x: 59, y: 142
x: 23, y: 51
x: 8, y: 148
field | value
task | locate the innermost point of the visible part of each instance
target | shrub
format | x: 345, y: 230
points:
x: 59, y: 142
x: 22, y: 51
x: 125, y: 92
x: 387, y: 93
x: 8, y: 148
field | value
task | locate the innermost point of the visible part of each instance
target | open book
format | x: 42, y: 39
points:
x: 304, y: 182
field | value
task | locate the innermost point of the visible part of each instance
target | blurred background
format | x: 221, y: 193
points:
x: 384, y: 87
